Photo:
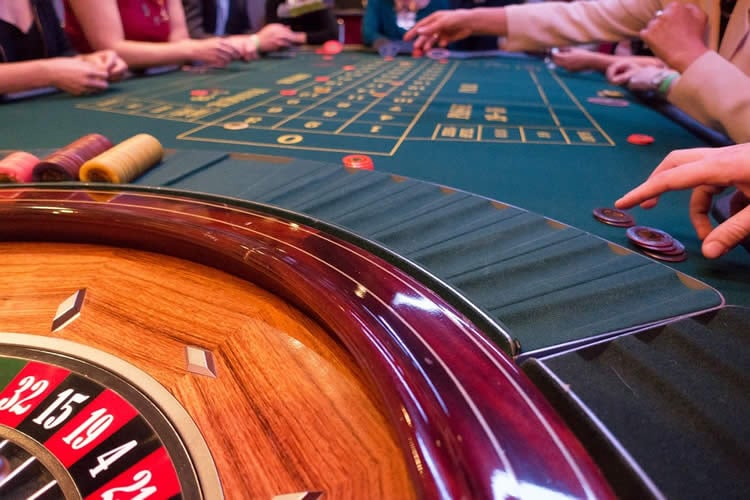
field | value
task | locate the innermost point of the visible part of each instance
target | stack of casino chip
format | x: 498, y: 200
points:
x: 358, y: 161
x: 124, y: 162
x: 17, y: 167
x: 64, y: 164
x: 657, y: 244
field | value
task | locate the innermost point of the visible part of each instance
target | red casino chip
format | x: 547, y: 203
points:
x: 360, y: 162
x: 640, y: 139
x: 332, y: 47
x: 288, y: 92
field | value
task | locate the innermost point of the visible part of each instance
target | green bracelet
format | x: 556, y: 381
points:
x: 667, y: 83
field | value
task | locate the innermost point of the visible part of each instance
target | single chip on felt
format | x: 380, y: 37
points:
x: 438, y: 53
x: 321, y: 78
x: 640, y: 139
x: 610, y: 93
x: 358, y: 161
x: 199, y: 92
x: 288, y: 92
x: 388, y: 58
x: 608, y: 101
x: 332, y: 47
x: 614, y: 217
x: 348, y: 67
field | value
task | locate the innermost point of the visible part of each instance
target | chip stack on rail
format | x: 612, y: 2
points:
x: 125, y: 161
x: 657, y: 244
x: 64, y: 164
x: 17, y: 167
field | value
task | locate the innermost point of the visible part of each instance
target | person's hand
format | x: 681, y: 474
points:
x: 246, y: 46
x: 708, y: 171
x: 75, y: 76
x: 109, y: 61
x: 276, y: 36
x: 440, y: 28
x: 214, y: 52
x: 643, y: 78
x: 575, y: 59
x: 621, y: 71
x: 676, y: 35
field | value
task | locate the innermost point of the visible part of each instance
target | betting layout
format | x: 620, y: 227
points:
x: 70, y: 428
x: 366, y: 103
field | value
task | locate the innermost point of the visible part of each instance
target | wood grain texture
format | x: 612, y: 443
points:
x: 289, y: 410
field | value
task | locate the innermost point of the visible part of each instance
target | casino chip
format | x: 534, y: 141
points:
x: 438, y: 53
x: 614, y: 217
x: 657, y: 244
x: 332, y: 47
x: 358, y: 161
x: 610, y: 93
x: 348, y: 67
x: 125, y: 161
x: 640, y: 139
x: 608, y: 101
x: 17, y: 167
x: 288, y: 92
x: 65, y: 163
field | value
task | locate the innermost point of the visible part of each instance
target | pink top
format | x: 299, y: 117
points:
x: 142, y: 21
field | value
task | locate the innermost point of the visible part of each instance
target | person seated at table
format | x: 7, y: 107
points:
x: 388, y: 20
x: 708, y: 172
x: 244, y: 29
x: 712, y: 86
x: 145, y: 33
x: 313, y: 20
x: 34, y: 53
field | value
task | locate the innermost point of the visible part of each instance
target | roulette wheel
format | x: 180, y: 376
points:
x: 162, y: 344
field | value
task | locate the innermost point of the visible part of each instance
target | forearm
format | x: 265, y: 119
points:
x: 715, y: 92
x: 26, y: 75
x: 147, y: 54
x: 550, y: 24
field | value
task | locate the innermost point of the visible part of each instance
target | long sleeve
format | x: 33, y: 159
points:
x: 371, y: 23
x: 194, y: 18
x: 722, y: 103
x: 320, y: 26
x: 539, y: 25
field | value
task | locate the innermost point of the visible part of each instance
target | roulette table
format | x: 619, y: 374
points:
x: 462, y: 290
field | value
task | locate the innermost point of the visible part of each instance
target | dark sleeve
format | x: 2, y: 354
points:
x: 272, y: 15
x: 321, y: 27
x: 52, y: 32
x: 194, y: 18
x: 371, y: 24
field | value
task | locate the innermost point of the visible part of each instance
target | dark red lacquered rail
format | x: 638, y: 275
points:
x: 471, y: 424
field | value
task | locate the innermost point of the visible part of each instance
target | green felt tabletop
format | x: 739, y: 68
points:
x: 510, y: 129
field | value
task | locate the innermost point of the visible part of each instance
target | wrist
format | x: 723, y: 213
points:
x: 682, y: 60
x: 664, y: 80
x: 255, y: 43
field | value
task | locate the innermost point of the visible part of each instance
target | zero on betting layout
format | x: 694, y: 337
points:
x: 349, y: 101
